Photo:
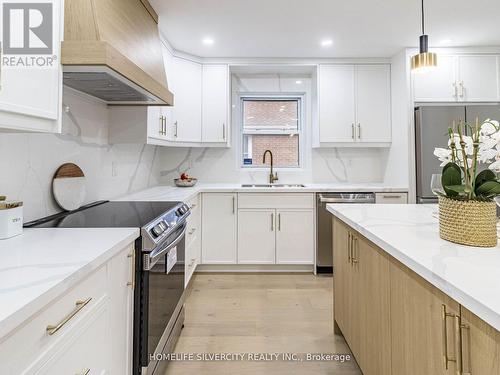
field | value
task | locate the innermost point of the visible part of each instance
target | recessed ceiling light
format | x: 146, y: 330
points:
x: 326, y: 42
x: 298, y: 82
x: 208, y: 41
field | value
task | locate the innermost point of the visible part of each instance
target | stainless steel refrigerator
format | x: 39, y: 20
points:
x: 431, y: 131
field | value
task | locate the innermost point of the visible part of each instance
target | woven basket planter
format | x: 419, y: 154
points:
x: 469, y: 223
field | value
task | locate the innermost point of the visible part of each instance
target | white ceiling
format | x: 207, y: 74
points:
x: 294, y: 28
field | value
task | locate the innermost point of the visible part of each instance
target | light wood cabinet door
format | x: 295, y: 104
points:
x: 219, y: 228
x: 480, y: 346
x: 370, y: 310
x: 423, y: 337
x: 256, y: 236
x: 478, y: 78
x: 341, y: 276
x: 294, y: 236
x: 336, y: 103
x: 373, y: 103
x: 215, y: 90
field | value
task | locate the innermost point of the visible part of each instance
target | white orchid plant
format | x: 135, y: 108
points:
x: 469, y: 146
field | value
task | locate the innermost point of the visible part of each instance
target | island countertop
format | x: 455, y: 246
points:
x: 410, y: 234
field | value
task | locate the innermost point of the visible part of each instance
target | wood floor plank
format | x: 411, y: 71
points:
x: 260, y: 313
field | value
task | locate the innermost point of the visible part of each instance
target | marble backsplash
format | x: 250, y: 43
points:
x: 29, y: 161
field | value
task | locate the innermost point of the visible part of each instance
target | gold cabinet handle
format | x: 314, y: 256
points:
x: 444, y: 316
x: 354, y: 247
x: 132, y: 267
x: 458, y: 344
x: 465, y: 327
x: 353, y: 136
x: 349, y: 237
x: 51, y: 329
x: 359, y: 131
x: 86, y: 372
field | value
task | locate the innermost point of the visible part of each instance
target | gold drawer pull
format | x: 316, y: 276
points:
x: 86, y: 372
x: 444, y: 327
x: 79, y: 305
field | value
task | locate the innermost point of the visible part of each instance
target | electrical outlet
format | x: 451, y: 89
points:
x: 114, y: 169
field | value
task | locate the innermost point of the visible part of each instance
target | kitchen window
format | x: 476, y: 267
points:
x: 271, y: 123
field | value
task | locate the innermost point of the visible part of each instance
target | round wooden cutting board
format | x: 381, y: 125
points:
x: 69, y: 186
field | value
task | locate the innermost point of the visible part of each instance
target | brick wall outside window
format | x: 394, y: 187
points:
x: 281, y: 116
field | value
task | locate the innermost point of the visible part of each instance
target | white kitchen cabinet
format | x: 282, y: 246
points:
x: 145, y: 125
x: 354, y: 105
x: 459, y: 78
x: 336, y: 103
x: 215, y: 100
x: 94, y: 327
x: 186, y: 83
x: 295, y: 237
x: 193, y: 238
x: 478, y: 78
x: 436, y: 84
x: 256, y: 236
x: 31, y: 97
x: 219, y: 228
x: 373, y: 103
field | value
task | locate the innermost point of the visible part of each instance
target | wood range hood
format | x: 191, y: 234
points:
x: 112, y: 51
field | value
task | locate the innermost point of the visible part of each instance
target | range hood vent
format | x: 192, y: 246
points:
x: 112, y: 51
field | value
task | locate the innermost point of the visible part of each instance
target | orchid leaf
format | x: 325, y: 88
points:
x: 451, y: 176
x: 488, y: 189
x: 483, y: 176
x: 457, y: 190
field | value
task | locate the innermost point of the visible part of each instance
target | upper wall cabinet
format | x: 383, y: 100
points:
x: 354, y: 105
x: 462, y: 78
x: 215, y: 103
x: 31, y: 82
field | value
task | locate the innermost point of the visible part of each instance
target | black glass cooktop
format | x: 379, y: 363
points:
x: 106, y: 215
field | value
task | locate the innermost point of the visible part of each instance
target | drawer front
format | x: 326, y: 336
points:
x: 85, y: 350
x: 275, y: 200
x: 388, y: 198
x: 193, y: 227
x: 194, y: 203
x: 63, y: 313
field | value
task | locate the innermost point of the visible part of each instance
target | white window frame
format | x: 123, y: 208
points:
x: 300, y: 127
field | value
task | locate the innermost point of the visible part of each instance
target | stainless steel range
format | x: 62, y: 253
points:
x: 159, y: 270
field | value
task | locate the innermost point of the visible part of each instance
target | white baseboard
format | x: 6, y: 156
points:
x: 309, y: 268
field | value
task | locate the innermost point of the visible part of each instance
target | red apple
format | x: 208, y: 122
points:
x: 184, y: 176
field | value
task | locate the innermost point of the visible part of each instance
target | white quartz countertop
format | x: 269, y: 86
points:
x: 43, y: 263
x: 410, y: 233
x: 173, y: 193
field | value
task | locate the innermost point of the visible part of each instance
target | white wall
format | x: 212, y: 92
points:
x: 29, y: 161
x: 319, y: 165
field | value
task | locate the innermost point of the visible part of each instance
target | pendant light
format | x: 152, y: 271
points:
x: 424, y: 59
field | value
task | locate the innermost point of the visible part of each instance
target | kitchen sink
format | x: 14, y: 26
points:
x: 272, y: 185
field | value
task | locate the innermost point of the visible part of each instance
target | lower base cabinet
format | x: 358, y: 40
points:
x: 87, y: 330
x: 397, y: 323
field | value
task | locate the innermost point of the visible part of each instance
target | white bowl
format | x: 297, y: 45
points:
x: 185, y: 183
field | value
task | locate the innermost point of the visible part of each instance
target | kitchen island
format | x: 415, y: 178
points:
x: 408, y: 302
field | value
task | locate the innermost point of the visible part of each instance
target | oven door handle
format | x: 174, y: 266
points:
x: 151, y: 259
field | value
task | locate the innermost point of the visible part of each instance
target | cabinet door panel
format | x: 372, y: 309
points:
x: 478, y: 78
x: 480, y: 346
x: 214, y: 103
x: 370, y: 312
x: 417, y: 325
x: 256, y: 236
x: 186, y: 85
x: 295, y: 237
x: 341, y: 276
x: 373, y: 103
x: 336, y: 103
x: 436, y: 84
x: 219, y: 228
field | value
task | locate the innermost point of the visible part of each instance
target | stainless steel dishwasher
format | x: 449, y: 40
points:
x: 324, y: 235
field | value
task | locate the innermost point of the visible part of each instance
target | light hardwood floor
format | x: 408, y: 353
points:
x: 260, y: 313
